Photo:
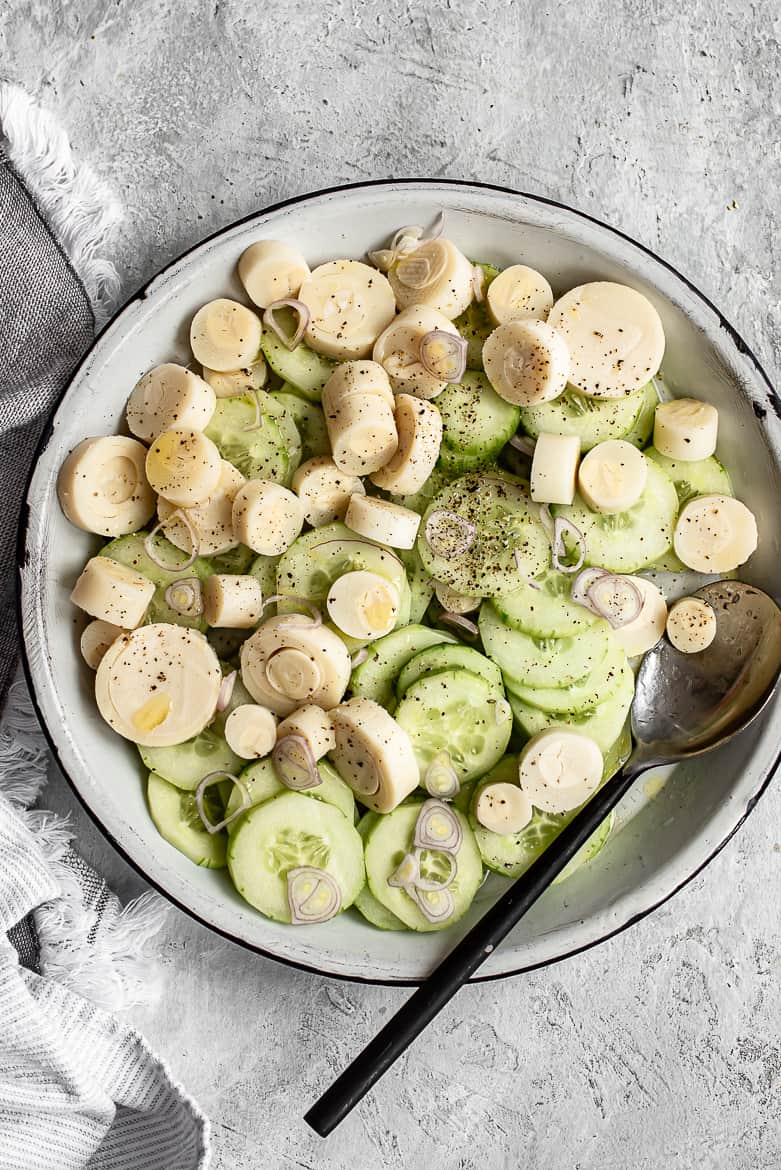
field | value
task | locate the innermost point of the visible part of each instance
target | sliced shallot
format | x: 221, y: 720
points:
x: 200, y: 792
x: 441, y: 779
x: 580, y: 586
x: 478, y: 283
x: 449, y: 534
x: 257, y: 422
x: 313, y: 895
x: 524, y: 444
x: 559, y: 549
x: 430, y: 884
x: 149, y: 548
x: 436, y: 906
x: 418, y: 272
x: 185, y: 597
x: 383, y: 258
x: 546, y: 520
x: 522, y: 571
x: 315, y: 616
x: 616, y: 598
x: 443, y: 355
x: 301, y: 311
x: 359, y: 657
x: 294, y: 763
x: 226, y: 690
x: 406, y: 872
x: 437, y: 827
x: 460, y: 623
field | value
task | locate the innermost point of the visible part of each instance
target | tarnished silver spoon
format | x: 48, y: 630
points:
x: 684, y: 705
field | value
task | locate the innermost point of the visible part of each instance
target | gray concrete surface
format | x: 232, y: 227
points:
x: 661, y: 1048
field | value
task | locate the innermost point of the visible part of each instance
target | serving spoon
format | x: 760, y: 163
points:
x: 684, y: 705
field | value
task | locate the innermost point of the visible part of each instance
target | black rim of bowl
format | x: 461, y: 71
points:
x: 774, y: 403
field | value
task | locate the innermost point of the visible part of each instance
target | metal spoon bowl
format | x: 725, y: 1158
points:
x: 687, y: 704
x: 684, y: 705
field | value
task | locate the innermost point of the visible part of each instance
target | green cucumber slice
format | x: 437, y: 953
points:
x: 476, y: 423
x: 176, y: 818
x: 541, y: 662
x: 283, y: 833
x: 700, y: 477
x: 236, y: 560
x: 186, y: 764
x: 475, y: 323
x: 458, y: 712
x: 387, y: 841
x: 309, y: 420
x: 543, y: 609
x: 371, y: 909
x: 315, y: 560
x: 500, y: 509
x: 263, y: 453
x: 302, y: 367
x: 601, y: 682
x: 375, y: 677
x: 513, y: 853
x: 444, y: 657
x: 593, y: 420
x: 421, y: 586
x: 602, y: 722
x: 643, y: 427
x: 262, y: 784
x: 431, y: 488
x: 630, y: 540
x: 129, y: 550
x: 264, y: 570
x: 588, y: 850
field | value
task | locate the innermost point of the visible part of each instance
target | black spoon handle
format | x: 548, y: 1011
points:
x: 454, y: 970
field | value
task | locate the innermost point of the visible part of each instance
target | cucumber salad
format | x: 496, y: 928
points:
x: 380, y: 560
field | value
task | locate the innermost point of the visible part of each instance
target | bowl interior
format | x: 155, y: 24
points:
x: 667, y: 830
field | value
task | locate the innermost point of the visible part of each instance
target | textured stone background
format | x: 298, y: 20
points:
x: 662, y: 1048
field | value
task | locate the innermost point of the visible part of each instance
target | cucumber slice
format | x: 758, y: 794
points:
x: 235, y: 560
x: 541, y: 662
x: 431, y: 488
x: 458, y: 712
x: 389, y: 838
x: 176, y: 818
x: 602, y: 722
x: 701, y: 477
x: 599, y: 684
x: 544, y: 609
x: 588, y: 850
x: 186, y: 764
x: 283, y: 833
x: 262, y: 783
x: 476, y: 423
x: 475, y: 323
x: 593, y: 420
x: 421, y: 586
x: 439, y: 658
x: 631, y: 540
x: 302, y: 367
x: 371, y: 909
x: 500, y: 509
x: 643, y: 426
x: 315, y: 560
x: 264, y: 453
x: 129, y: 550
x: 513, y: 853
x: 375, y: 677
x: 309, y: 420
x: 264, y: 570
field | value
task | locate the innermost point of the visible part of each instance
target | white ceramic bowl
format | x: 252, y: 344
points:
x: 662, y: 840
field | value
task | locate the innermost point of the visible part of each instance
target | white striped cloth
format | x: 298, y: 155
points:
x: 78, y: 1087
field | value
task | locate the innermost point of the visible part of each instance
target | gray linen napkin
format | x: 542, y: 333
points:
x: 77, y: 1087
